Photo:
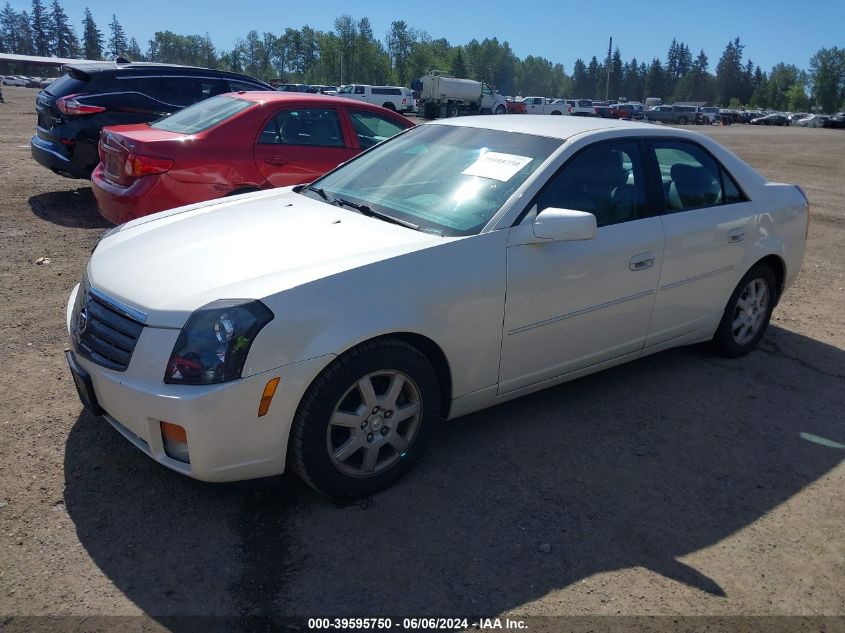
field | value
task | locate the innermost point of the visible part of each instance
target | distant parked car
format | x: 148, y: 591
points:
x: 811, y: 120
x: 771, y: 119
x: 294, y: 88
x: 324, y: 90
x: 390, y: 97
x: 73, y: 109
x: 627, y: 111
x: 836, y: 121
x: 14, y: 80
x: 238, y: 142
x: 515, y: 105
x: 680, y: 115
x: 709, y: 115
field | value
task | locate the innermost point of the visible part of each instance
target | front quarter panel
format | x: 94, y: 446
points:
x: 453, y: 293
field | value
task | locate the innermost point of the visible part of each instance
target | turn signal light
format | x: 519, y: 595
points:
x: 138, y: 165
x: 175, y: 441
x: 267, y: 396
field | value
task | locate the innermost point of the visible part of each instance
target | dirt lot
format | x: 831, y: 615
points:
x: 678, y: 484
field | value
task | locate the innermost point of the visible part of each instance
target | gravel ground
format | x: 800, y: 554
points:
x: 680, y: 484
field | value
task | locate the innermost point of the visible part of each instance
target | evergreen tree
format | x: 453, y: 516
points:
x: 580, y: 81
x: 63, y: 40
x: 92, y: 37
x: 8, y: 29
x: 39, y: 23
x: 729, y: 73
x: 655, y: 80
x: 134, y: 51
x: 117, y: 41
x: 458, y: 67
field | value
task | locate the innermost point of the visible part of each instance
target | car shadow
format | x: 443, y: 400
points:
x: 637, y: 466
x: 76, y: 208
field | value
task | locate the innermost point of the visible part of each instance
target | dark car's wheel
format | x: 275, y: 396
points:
x: 682, y: 120
x: 747, y: 314
x: 366, y: 419
x: 389, y: 105
x: 500, y: 109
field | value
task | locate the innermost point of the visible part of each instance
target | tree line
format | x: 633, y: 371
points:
x: 352, y: 53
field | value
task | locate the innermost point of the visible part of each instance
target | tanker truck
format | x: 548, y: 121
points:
x: 444, y: 96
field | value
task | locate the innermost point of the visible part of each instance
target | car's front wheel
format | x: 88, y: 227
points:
x: 366, y: 419
x: 747, y: 314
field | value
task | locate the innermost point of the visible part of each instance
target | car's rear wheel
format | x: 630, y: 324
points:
x: 366, y: 419
x: 682, y: 120
x: 500, y: 109
x: 389, y: 105
x: 557, y: 112
x: 747, y: 314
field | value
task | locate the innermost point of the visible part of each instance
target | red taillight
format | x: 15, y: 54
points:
x: 138, y: 165
x: 70, y: 105
x: 569, y: 109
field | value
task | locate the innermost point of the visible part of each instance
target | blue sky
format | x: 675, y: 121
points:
x: 561, y: 30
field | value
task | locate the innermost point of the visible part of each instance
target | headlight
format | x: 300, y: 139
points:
x: 213, y: 345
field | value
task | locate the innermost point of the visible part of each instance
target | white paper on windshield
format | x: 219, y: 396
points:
x: 497, y: 166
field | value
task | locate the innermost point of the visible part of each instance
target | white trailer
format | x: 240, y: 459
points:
x: 444, y: 96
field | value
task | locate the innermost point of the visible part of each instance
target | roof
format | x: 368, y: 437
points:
x: 560, y: 127
x: 311, y: 98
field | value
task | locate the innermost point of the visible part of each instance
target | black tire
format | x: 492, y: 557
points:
x: 682, y: 120
x: 724, y: 341
x: 557, y: 113
x: 308, y: 451
x: 452, y: 111
x: 389, y: 105
x: 500, y: 109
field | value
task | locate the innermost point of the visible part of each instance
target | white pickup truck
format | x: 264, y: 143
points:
x: 544, y: 105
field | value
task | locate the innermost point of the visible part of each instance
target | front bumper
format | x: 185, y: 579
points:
x: 227, y: 441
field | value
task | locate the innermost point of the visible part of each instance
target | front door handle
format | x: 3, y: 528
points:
x: 641, y: 261
x: 276, y: 161
x: 736, y: 235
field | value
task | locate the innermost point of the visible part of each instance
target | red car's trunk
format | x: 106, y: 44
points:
x: 131, y: 152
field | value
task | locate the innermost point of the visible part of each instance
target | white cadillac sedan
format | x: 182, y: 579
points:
x: 458, y: 265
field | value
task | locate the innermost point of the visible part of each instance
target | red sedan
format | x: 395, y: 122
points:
x: 229, y: 144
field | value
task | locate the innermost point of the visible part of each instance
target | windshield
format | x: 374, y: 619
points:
x: 446, y: 179
x: 202, y: 115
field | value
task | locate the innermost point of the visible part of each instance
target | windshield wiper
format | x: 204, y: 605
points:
x: 321, y: 193
x: 372, y: 213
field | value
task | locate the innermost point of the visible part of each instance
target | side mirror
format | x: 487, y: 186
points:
x: 564, y: 225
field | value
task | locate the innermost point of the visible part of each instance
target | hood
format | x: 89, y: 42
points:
x: 247, y: 247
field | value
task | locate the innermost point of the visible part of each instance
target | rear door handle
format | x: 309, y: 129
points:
x: 276, y: 161
x: 736, y: 235
x: 641, y: 261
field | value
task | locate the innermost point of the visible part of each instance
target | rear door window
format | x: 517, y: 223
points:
x: 304, y: 126
x: 692, y: 178
x: 184, y: 91
x: 372, y: 128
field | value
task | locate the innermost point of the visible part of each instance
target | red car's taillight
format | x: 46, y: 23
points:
x: 70, y: 105
x: 138, y: 165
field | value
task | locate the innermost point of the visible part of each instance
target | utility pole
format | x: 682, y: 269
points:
x: 607, y: 85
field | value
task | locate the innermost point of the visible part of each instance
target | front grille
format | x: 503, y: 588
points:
x: 105, y: 330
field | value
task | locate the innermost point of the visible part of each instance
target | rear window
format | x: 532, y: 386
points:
x: 67, y: 85
x: 203, y: 115
x: 387, y: 91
